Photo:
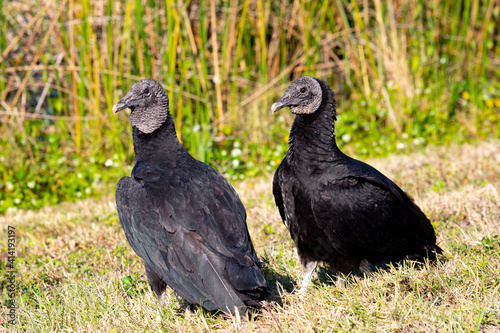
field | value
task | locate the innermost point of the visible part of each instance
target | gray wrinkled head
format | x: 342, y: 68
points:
x: 149, y: 104
x: 303, y: 96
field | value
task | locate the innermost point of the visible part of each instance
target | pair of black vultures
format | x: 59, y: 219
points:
x: 189, y: 226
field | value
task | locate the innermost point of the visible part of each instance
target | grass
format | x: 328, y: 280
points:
x: 76, y: 271
x: 406, y: 74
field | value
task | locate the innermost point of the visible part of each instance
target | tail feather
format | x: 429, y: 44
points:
x: 433, y: 251
x: 221, y: 292
x: 429, y: 251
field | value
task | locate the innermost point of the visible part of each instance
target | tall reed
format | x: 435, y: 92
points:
x: 417, y: 68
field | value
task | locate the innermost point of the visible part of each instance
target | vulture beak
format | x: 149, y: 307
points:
x: 121, y: 105
x: 283, y: 101
x: 277, y: 106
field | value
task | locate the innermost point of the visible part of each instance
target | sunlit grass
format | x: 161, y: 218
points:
x: 76, y: 271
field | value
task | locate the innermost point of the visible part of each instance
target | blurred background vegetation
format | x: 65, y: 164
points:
x: 406, y: 74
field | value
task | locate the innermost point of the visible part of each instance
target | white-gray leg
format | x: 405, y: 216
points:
x: 160, y: 303
x: 341, y: 282
x: 310, y: 268
x: 158, y: 286
x: 364, y: 266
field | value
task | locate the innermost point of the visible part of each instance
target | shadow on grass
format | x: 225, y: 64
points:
x: 276, y: 279
x: 328, y: 277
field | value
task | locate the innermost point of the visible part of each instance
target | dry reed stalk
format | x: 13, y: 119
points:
x: 215, y: 57
x: 38, y: 54
x: 20, y: 34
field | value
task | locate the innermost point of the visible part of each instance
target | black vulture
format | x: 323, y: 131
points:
x: 181, y: 216
x: 339, y: 210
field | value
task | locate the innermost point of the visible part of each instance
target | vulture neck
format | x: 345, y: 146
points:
x: 161, y: 144
x: 312, y: 137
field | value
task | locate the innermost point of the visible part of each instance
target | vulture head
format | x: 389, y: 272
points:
x: 303, y: 96
x: 148, y: 102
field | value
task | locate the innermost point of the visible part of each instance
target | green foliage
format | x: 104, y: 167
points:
x: 134, y: 285
x: 491, y: 244
x: 49, y: 174
x: 406, y: 75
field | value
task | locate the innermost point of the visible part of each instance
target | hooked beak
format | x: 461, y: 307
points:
x: 121, y: 105
x: 277, y: 106
x: 283, y: 102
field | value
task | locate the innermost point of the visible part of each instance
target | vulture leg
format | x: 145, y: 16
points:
x: 341, y: 282
x: 159, y: 287
x: 310, y: 268
x: 156, y: 283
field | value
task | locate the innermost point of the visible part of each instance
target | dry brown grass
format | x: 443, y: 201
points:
x: 73, y: 257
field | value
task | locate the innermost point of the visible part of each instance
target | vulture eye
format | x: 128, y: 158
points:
x: 147, y: 92
x: 303, y: 90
